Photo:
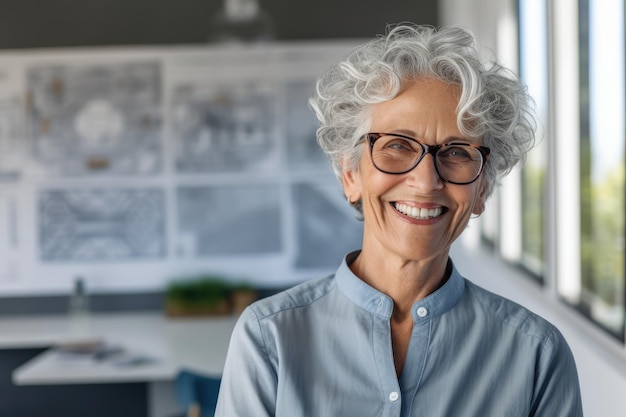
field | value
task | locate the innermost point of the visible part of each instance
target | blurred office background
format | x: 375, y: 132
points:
x: 145, y: 143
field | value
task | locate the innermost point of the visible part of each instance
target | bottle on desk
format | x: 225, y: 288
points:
x: 79, y: 307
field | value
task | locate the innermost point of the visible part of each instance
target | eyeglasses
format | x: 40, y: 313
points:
x: 455, y: 162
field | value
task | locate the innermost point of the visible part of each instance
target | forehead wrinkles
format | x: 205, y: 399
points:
x: 424, y: 109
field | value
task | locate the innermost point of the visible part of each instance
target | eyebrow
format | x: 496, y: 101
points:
x: 450, y: 139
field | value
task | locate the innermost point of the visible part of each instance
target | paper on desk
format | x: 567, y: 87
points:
x: 88, y: 350
x: 98, y: 351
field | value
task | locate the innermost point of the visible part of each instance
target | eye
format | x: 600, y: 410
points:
x: 398, y: 144
x: 458, y: 153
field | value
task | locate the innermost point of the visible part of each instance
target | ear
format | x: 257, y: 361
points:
x: 479, y: 203
x: 351, y: 183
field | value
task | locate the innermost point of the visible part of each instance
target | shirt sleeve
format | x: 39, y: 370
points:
x: 557, y: 391
x: 248, y: 387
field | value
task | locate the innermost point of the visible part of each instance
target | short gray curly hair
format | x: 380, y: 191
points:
x: 494, y: 103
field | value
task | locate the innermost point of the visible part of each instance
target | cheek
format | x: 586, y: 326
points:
x: 365, y: 182
x: 479, y: 201
x: 377, y: 184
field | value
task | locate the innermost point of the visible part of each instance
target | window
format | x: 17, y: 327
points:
x: 600, y: 295
x: 572, y: 211
x: 533, y: 42
x: 571, y: 204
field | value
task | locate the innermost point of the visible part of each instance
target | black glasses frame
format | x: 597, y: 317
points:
x: 428, y: 149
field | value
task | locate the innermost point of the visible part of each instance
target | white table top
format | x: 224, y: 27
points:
x: 198, y: 344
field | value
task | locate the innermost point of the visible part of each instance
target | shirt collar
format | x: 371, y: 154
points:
x: 374, y: 301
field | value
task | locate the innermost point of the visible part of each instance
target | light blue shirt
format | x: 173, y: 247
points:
x: 323, y: 349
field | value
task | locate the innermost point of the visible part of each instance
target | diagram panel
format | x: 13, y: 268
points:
x: 101, y: 119
x: 225, y: 127
x: 132, y: 166
x: 101, y: 224
x: 326, y: 228
x: 229, y: 220
x: 12, y: 147
x: 303, y: 152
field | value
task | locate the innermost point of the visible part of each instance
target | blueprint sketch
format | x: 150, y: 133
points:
x: 303, y: 152
x: 229, y: 220
x: 101, y: 224
x: 12, y: 146
x: 95, y: 120
x: 133, y: 166
x: 224, y: 127
x: 326, y: 226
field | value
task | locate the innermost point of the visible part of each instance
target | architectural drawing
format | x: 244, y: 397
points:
x: 224, y: 128
x: 101, y: 224
x: 101, y: 119
x: 12, y: 149
x: 326, y: 226
x: 136, y: 164
x: 303, y: 152
x: 229, y: 220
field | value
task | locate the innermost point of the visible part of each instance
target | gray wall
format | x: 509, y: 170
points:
x: 49, y: 23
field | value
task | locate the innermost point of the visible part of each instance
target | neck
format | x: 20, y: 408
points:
x: 405, y: 281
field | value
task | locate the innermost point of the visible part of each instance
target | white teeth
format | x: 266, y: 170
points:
x: 418, y: 213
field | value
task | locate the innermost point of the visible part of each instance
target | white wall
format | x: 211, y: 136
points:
x: 601, y: 361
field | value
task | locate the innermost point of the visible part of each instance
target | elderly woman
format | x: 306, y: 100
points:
x: 418, y: 131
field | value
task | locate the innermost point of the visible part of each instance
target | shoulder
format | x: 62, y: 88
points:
x: 502, y: 311
x: 301, y: 295
x: 264, y: 322
x: 530, y: 345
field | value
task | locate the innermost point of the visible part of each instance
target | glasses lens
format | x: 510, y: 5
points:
x: 459, y: 163
x: 395, y: 154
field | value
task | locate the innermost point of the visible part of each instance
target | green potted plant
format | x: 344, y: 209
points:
x: 206, y: 295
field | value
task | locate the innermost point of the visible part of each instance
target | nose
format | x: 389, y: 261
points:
x: 424, y: 176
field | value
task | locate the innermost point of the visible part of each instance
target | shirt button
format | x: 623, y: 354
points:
x: 422, y: 312
x: 393, y: 397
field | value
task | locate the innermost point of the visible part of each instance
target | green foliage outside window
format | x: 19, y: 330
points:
x: 533, y: 180
x: 602, y: 249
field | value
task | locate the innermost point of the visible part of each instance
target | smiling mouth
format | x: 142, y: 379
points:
x: 418, y: 213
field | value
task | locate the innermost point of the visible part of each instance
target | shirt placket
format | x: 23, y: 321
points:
x: 383, y: 353
x: 416, y: 357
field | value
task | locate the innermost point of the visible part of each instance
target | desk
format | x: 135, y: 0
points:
x: 196, y: 344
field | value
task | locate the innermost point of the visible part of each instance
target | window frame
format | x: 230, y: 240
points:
x: 562, y: 222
